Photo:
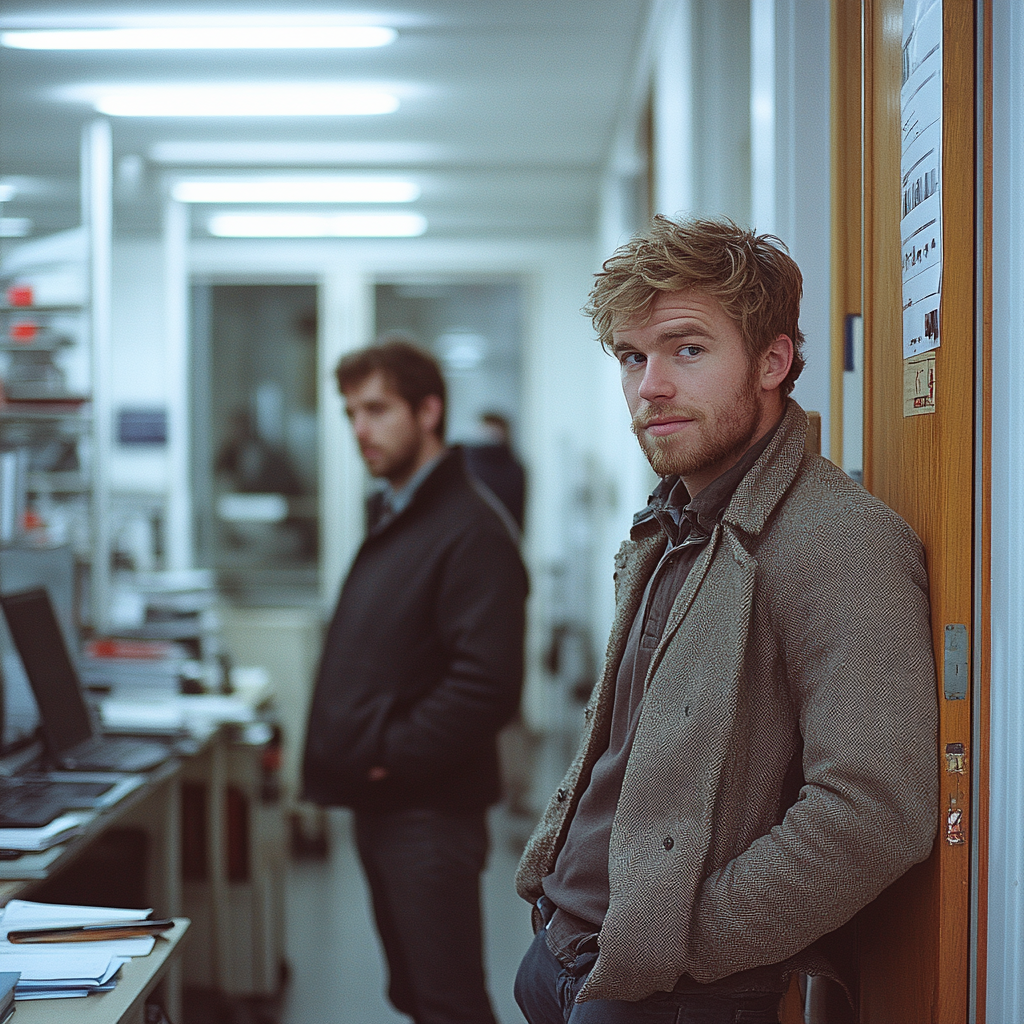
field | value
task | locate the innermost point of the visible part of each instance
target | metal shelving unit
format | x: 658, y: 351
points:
x: 55, y: 389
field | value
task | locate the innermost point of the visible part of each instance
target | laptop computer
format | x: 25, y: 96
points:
x: 73, y: 741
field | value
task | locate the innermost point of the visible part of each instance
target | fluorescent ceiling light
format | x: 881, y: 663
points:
x: 204, y: 37
x: 7, y: 192
x: 293, y: 154
x: 257, y: 100
x: 344, y: 225
x: 296, y: 190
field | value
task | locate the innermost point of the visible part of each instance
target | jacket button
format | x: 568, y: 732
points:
x: 560, y: 795
x: 667, y: 842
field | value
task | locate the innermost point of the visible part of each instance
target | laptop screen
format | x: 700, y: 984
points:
x: 54, y: 680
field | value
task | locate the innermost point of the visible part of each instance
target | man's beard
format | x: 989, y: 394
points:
x: 396, y: 463
x: 726, y: 437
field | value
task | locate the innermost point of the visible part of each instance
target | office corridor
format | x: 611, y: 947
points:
x: 336, y: 971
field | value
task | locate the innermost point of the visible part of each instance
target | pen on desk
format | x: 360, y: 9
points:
x: 92, y: 932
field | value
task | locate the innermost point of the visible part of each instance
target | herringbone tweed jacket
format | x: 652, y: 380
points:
x: 784, y: 767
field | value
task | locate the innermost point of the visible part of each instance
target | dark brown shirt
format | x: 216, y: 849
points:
x: 578, y: 886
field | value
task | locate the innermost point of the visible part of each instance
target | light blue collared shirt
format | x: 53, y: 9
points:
x: 398, y: 501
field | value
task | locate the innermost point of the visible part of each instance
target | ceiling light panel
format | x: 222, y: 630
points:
x: 237, y: 100
x: 204, y: 37
x: 296, y: 190
x: 347, y: 225
x: 296, y: 153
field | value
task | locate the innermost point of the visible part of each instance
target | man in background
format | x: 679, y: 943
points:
x: 493, y: 462
x: 422, y: 665
x: 759, y: 756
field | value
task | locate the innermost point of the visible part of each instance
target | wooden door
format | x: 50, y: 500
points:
x: 914, y: 941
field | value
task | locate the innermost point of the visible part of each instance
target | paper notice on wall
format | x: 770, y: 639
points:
x: 919, y: 385
x: 921, y: 174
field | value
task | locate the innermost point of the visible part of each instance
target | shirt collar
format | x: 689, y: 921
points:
x: 397, y: 501
x: 692, y: 520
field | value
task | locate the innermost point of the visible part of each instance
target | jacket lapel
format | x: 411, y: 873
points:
x: 634, y: 563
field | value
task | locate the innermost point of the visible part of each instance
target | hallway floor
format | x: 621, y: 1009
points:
x: 336, y: 972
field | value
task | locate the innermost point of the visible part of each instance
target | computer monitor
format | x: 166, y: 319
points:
x: 23, y: 569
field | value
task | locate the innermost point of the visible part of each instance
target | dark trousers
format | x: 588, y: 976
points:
x: 546, y: 992
x: 423, y: 868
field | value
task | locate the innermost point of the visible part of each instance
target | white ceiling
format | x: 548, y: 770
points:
x: 507, y: 109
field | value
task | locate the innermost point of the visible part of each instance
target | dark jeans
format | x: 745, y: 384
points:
x: 423, y: 867
x: 546, y: 993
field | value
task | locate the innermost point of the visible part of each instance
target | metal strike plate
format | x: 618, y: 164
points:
x: 954, y: 670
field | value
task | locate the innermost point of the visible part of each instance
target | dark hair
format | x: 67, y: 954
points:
x: 753, y: 277
x: 411, y: 372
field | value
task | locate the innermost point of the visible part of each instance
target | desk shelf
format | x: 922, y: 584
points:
x: 126, y: 1004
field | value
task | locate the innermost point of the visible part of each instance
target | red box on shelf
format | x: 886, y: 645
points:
x: 20, y: 295
x: 24, y: 331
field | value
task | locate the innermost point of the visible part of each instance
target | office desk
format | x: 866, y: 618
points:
x: 237, y: 933
x: 126, y: 1004
x: 154, y: 795
x: 155, y: 807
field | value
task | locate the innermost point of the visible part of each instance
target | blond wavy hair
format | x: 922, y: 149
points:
x: 752, y: 276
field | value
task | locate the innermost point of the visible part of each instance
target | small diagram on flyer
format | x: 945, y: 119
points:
x: 920, y: 174
x: 919, y: 385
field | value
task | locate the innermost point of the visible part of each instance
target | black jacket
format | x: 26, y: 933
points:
x: 423, y: 660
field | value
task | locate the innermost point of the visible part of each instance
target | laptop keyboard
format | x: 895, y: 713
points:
x: 114, y: 754
x: 34, y: 802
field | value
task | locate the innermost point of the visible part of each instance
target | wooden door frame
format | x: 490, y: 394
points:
x: 982, y: 667
x: 925, y: 957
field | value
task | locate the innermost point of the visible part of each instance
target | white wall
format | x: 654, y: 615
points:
x: 672, y: 111
x: 1006, y: 777
x: 139, y: 363
x: 802, y: 181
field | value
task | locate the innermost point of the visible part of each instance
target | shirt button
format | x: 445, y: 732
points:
x: 560, y: 795
x: 667, y: 842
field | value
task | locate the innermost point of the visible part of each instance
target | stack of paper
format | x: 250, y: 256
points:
x: 61, y: 970
x: 133, y: 667
x: 197, y: 714
x: 32, y: 840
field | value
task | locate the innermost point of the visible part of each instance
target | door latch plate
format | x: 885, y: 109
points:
x: 954, y: 668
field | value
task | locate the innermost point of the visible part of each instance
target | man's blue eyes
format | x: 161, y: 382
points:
x: 637, y: 359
